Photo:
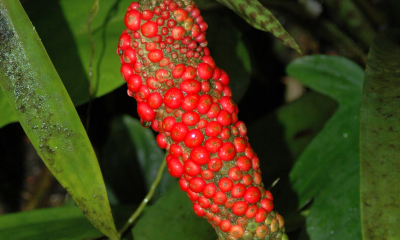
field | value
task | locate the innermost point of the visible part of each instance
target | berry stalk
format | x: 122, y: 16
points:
x: 183, y: 95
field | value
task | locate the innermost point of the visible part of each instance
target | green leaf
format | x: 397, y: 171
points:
x: 380, y: 152
x: 328, y: 169
x: 53, y: 223
x: 45, y: 111
x: 238, y: 67
x: 131, y: 155
x: 172, y: 218
x: 62, y: 28
x: 261, y: 18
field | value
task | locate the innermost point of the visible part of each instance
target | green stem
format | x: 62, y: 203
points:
x: 145, y: 200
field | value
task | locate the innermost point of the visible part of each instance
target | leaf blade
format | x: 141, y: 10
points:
x: 45, y: 111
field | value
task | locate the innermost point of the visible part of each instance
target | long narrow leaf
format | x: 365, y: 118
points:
x: 45, y: 111
x: 380, y: 142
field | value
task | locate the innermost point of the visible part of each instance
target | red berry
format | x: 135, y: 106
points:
x: 207, y: 174
x: 162, y: 75
x: 252, y: 195
x: 224, y: 118
x: 213, y: 129
x: 191, y: 168
x: 238, y: 190
x: 267, y: 204
x: 204, y: 105
x: 180, y: 15
x: 204, y: 70
x: 147, y: 15
x: 143, y: 92
x: 198, y: 210
x: 251, y: 211
x: 219, y: 198
x: 126, y: 71
x: 134, y: 82
x: 197, y: 184
x: 190, y: 73
x: 190, y: 118
x: 178, y: 70
x: 224, y: 78
x: 155, y: 55
x: 228, y: 104
x: 161, y: 141
x: 175, y: 150
x: 199, y: 155
x: 225, y: 133
x: 132, y: 20
x: 183, y: 184
x: 168, y: 123
x: 214, y: 111
x: 192, y: 195
x: 145, y: 112
x: 261, y: 215
x: 225, y: 225
x: 239, y: 208
x: 152, y: 83
x: 227, y: 151
x: 214, y: 208
x: 247, y: 180
x: 190, y: 86
x: 244, y: 163
x: 173, y: 98
x: 240, y: 144
x: 225, y: 184
x: 194, y: 138
x: 190, y: 102
x: 204, y: 202
x: 179, y: 132
x: 149, y: 29
x: 171, y: 23
x: 178, y: 33
x: 235, y: 174
x: 214, y: 164
x: 213, y: 144
x: 154, y: 100
x: 209, y: 190
x: 175, y: 167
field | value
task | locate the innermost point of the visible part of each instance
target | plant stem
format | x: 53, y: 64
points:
x: 145, y: 200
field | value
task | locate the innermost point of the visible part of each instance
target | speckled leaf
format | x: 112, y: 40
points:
x: 328, y: 169
x: 380, y: 140
x: 45, y: 111
x: 261, y: 18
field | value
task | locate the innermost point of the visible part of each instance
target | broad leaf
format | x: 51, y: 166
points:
x: 45, y: 111
x: 380, y: 142
x: 328, y: 169
x: 261, y: 18
x: 172, y: 218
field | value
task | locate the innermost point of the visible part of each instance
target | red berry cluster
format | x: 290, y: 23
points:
x: 182, y: 95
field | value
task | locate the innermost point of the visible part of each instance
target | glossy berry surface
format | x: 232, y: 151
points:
x: 183, y: 95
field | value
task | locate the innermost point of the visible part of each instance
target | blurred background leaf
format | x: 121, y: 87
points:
x: 327, y: 172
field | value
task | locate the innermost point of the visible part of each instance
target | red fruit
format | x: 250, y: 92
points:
x: 172, y: 6
x: 252, y: 195
x: 191, y: 168
x: 197, y: 184
x: 179, y: 132
x: 126, y: 71
x: 213, y: 144
x: 225, y: 184
x: 214, y: 208
x: 213, y: 129
x: 190, y: 102
x: 225, y: 225
x: 227, y: 151
x: 147, y: 15
x: 242, y: 128
x: 149, y: 29
x: 143, y: 92
x: 132, y: 20
x: 175, y: 167
x: 219, y: 198
x: 224, y: 78
x: 228, y: 104
x: 190, y: 73
x: 178, y: 33
x: 154, y: 100
x: 178, y: 70
x: 161, y: 141
x: 171, y: 23
x: 180, y: 15
x: 247, y: 180
x: 207, y: 174
x: 183, y: 184
x: 192, y: 195
x: 155, y: 55
x: 204, y: 70
x: 224, y: 118
x: 225, y: 133
x: 129, y: 55
x: 209, y: 190
x: 214, y: 111
x: 190, y: 86
x: 216, y: 220
x: 251, y: 211
x: 168, y: 123
x: 204, y: 202
x: 199, y: 155
x: 134, y: 82
x: 244, y: 163
x: 238, y: 190
x: 190, y: 118
x: 194, y: 138
x: 267, y: 204
x: 175, y: 150
x: 204, y: 105
x: 162, y: 75
x: 261, y: 215
x: 173, y: 98
x: 165, y: 14
x: 214, y: 164
x: 145, y: 112
x: 198, y: 210
x: 160, y: 22
x: 235, y: 174
x: 240, y: 144
x: 239, y: 208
